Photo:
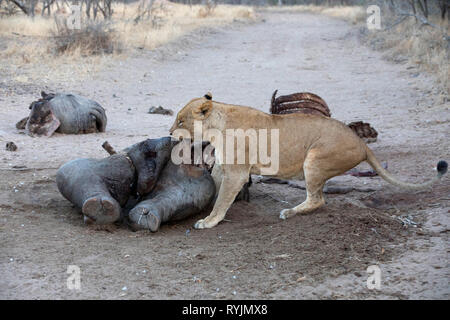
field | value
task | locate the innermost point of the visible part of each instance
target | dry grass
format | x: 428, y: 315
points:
x: 420, y: 45
x: 174, y: 20
x: 26, y: 42
x: 353, y: 14
x: 23, y: 25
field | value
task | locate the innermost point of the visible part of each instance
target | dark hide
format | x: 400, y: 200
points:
x: 64, y: 113
x: 149, y: 158
x: 181, y: 191
x: 100, y: 187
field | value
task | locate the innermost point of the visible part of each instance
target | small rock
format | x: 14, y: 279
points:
x: 160, y: 110
x: 11, y: 146
x: 124, y: 289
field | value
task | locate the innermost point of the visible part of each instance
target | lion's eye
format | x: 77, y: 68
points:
x: 180, y: 123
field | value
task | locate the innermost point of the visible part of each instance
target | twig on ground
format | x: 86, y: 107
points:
x: 108, y: 148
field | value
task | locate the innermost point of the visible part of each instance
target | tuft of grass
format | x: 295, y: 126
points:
x: 92, y: 39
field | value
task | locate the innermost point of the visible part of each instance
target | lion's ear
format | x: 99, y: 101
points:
x: 203, y: 111
x: 208, y: 96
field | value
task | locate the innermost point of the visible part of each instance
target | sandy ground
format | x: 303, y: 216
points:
x: 253, y: 254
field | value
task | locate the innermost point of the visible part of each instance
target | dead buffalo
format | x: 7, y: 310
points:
x: 63, y: 113
x: 100, y: 187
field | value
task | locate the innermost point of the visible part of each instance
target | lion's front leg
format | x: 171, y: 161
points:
x: 232, y: 181
x: 217, y: 176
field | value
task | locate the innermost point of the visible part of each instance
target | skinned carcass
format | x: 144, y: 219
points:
x: 310, y: 103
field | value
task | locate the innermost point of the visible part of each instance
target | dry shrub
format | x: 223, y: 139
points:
x: 91, y: 39
x: 421, y: 45
x: 208, y: 9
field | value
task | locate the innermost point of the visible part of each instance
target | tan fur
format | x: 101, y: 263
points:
x: 312, y: 147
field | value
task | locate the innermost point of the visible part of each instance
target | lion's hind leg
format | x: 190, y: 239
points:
x: 316, y: 172
x: 314, y: 200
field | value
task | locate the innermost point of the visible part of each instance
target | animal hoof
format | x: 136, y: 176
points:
x: 144, y: 219
x: 101, y: 210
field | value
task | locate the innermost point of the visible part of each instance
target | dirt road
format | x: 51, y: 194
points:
x: 253, y: 254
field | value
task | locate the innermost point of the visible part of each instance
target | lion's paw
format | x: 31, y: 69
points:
x: 200, y: 224
x: 285, y: 213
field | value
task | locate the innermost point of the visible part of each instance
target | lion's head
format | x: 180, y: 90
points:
x: 198, y: 109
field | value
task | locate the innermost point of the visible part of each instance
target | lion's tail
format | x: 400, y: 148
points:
x: 442, y: 167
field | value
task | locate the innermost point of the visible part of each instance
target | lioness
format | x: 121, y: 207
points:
x: 311, y: 147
